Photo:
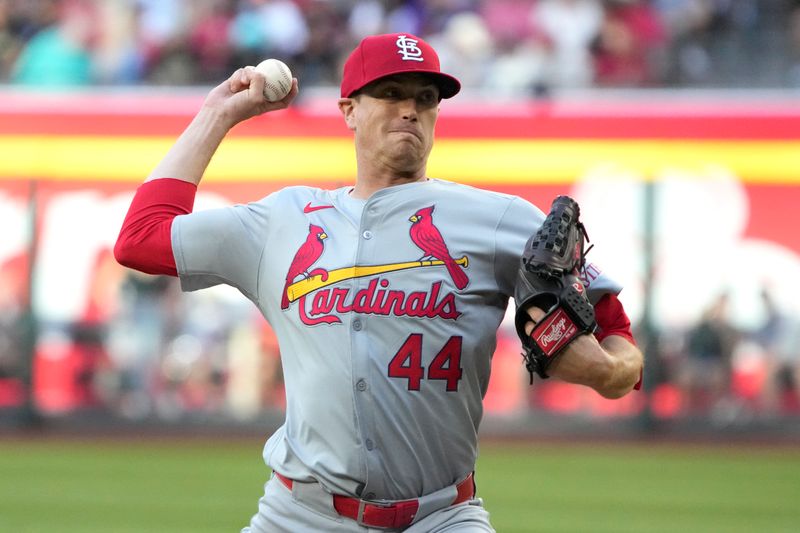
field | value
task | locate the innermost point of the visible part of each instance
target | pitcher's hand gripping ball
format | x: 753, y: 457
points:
x: 548, y: 278
x: 279, y: 79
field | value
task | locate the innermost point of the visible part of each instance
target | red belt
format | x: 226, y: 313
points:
x: 395, y: 514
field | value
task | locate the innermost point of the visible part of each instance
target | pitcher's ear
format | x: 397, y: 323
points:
x: 347, y: 108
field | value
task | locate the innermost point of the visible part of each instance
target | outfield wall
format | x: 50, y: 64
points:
x: 725, y: 170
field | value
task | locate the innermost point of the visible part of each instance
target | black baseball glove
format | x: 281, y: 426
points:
x: 549, y: 279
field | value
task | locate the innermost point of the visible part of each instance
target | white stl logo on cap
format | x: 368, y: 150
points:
x: 408, y: 49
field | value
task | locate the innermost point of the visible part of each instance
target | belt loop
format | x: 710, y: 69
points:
x: 360, y: 515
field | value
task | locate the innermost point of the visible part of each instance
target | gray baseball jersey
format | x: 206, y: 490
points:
x: 386, y: 318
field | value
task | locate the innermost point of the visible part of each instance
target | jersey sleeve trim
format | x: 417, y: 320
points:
x: 144, y: 242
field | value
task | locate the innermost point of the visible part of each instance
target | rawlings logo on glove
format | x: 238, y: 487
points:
x: 548, y: 279
x: 554, y: 332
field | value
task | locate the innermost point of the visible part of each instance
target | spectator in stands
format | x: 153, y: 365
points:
x: 466, y: 45
x: 779, y: 337
x: 521, y: 53
x: 793, y: 77
x: 9, y: 44
x: 285, y: 26
x: 629, y: 50
x: 705, y: 377
x: 366, y: 18
x: 534, y: 44
x: 248, y: 36
x: 686, y: 23
x: 319, y: 64
x: 137, y: 340
x: 437, y: 13
x: 59, y: 55
x: 208, y: 40
x: 14, y: 272
x: 569, y: 28
x: 120, y: 53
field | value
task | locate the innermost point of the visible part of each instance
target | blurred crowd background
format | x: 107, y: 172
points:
x: 510, y: 46
x: 140, y: 349
x: 144, y: 350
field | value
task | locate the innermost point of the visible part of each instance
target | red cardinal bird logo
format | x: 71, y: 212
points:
x: 308, y: 254
x: 425, y: 235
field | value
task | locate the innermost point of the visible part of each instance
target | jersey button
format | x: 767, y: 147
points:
x: 357, y: 325
x: 369, y: 444
x: 369, y: 496
x: 361, y: 385
x: 367, y: 234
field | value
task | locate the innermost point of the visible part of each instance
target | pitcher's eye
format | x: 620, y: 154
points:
x: 428, y: 98
x: 390, y: 93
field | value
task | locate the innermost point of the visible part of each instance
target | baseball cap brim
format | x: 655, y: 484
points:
x: 447, y: 84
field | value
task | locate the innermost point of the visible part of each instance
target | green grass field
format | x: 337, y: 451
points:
x: 63, y: 486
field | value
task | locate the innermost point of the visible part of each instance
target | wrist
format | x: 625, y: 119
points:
x: 213, y: 118
x: 609, y: 385
x: 625, y: 367
x: 601, y: 366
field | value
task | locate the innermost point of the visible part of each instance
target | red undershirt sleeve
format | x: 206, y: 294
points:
x: 145, y: 241
x: 612, y: 320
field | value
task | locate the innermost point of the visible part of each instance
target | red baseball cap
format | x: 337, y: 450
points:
x: 378, y: 56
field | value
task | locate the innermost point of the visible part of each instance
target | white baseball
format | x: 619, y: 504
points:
x: 279, y: 79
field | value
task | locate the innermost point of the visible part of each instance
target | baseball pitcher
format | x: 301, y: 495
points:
x: 385, y: 297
